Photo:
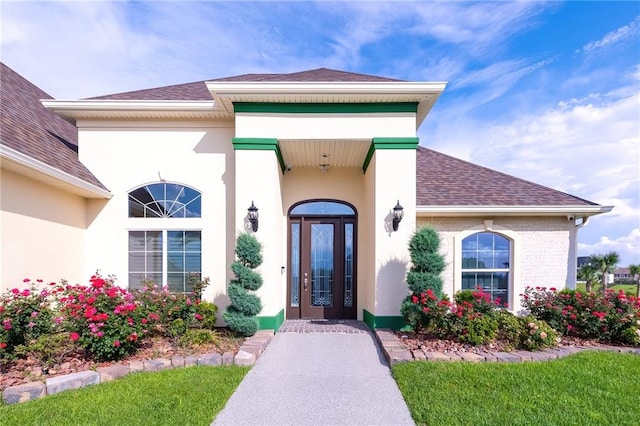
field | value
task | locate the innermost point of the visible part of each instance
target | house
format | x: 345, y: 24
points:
x: 158, y: 183
x: 622, y: 275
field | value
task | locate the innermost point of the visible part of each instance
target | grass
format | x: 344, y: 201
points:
x: 628, y: 288
x: 589, y: 388
x: 183, y: 396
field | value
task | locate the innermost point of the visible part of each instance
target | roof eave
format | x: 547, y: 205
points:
x: 575, y: 210
x: 424, y: 93
x: 76, y: 109
x: 57, y: 176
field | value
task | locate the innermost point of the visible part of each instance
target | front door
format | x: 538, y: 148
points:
x: 322, y: 266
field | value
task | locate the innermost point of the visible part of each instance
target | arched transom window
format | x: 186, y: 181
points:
x: 486, y: 263
x: 164, y: 200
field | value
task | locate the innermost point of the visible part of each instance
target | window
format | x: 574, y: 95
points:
x: 161, y: 253
x: 164, y: 200
x: 486, y: 263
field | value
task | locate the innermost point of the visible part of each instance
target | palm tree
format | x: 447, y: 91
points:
x: 634, y: 271
x: 605, y: 263
x: 590, y: 275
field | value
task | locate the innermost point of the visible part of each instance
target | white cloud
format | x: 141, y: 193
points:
x: 617, y: 36
x: 627, y: 246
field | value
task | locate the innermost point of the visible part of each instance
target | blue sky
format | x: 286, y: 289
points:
x: 546, y: 91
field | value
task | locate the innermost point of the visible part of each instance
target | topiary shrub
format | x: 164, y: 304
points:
x: 423, y: 277
x: 240, y: 316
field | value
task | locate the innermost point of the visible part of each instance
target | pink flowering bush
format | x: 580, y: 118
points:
x: 478, y: 319
x: 102, y: 318
x: 612, y: 316
x: 25, y: 315
x: 166, y: 313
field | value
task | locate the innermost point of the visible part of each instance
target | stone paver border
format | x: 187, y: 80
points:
x: 395, y: 352
x: 248, y: 353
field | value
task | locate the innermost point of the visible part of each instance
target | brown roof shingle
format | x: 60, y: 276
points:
x: 442, y: 180
x: 33, y: 130
x: 197, y: 91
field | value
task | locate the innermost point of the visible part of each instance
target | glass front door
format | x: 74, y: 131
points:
x: 322, y: 272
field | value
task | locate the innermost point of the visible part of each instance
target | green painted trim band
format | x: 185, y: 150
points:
x: 388, y: 143
x: 271, y: 323
x: 374, y: 322
x: 325, y: 108
x: 260, y: 144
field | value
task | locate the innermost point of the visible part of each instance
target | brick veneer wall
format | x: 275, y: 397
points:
x: 541, y: 251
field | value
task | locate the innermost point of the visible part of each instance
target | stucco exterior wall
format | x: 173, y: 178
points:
x: 126, y: 155
x: 325, y: 126
x: 395, y: 181
x: 43, y: 232
x: 542, y: 249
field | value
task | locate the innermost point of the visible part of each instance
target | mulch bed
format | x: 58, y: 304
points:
x: 427, y: 343
x: 30, y: 369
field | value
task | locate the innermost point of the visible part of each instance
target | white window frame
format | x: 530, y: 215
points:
x: 515, y: 244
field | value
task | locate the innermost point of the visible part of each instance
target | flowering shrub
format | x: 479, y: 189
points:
x: 428, y: 310
x: 166, y: 313
x: 606, y: 317
x: 536, y: 334
x: 102, y: 318
x: 25, y: 315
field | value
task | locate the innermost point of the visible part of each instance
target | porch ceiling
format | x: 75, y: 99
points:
x: 311, y: 152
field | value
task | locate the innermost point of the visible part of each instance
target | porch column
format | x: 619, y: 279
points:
x: 390, y: 177
x: 259, y: 169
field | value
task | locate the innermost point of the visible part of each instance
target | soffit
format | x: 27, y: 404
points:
x: 314, y: 152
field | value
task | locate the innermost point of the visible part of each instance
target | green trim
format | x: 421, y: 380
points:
x: 260, y: 144
x: 388, y: 143
x: 326, y: 108
x: 374, y: 322
x: 271, y: 323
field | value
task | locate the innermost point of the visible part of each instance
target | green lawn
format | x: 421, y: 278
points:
x: 184, y: 396
x: 628, y: 288
x: 590, y: 388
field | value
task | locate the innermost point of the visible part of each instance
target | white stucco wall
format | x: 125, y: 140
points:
x: 125, y: 155
x: 395, y: 180
x: 43, y: 232
x: 325, y: 126
x: 542, y: 249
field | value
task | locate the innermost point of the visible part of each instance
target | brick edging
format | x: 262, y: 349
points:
x: 395, y: 352
x: 248, y: 353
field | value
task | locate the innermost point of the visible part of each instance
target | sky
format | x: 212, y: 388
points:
x: 545, y: 91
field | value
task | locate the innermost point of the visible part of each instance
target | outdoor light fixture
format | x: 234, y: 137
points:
x: 253, y: 217
x: 398, y: 214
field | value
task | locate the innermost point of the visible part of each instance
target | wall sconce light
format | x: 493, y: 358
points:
x: 253, y: 217
x: 398, y: 214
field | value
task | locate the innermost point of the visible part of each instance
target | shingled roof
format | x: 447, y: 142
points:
x: 442, y: 180
x: 33, y: 130
x: 197, y: 91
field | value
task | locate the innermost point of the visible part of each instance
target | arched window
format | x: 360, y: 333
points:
x: 486, y: 263
x: 158, y: 251
x: 164, y: 200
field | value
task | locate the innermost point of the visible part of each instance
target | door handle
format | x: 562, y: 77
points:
x: 305, y: 281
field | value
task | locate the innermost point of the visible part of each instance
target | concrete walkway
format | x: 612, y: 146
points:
x: 318, y: 373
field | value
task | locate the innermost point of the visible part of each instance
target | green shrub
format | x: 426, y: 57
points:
x: 160, y: 308
x: 206, y: 314
x: 198, y: 337
x: 240, y: 316
x: 536, y: 334
x: 48, y: 349
x: 631, y: 335
x: 423, y: 278
x: 510, y: 329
